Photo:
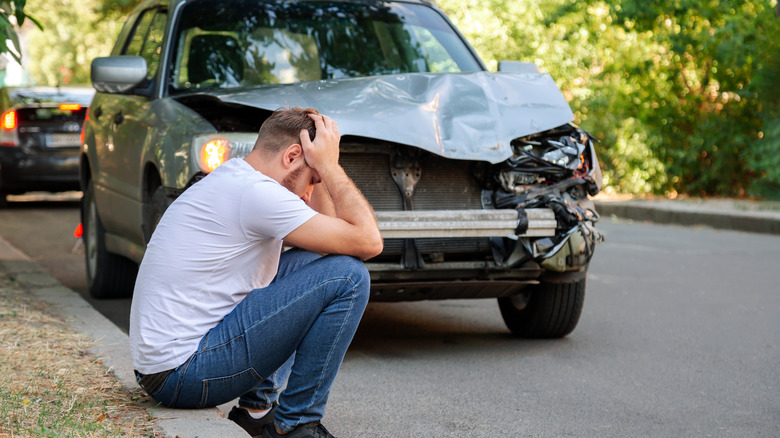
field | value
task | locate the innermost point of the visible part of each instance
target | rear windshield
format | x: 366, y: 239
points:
x: 234, y: 44
x: 33, y: 115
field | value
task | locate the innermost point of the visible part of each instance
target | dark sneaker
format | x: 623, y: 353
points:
x: 253, y: 427
x: 308, y: 430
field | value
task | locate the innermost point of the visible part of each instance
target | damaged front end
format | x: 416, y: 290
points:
x: 456, y: 228
x: 474, y: 201
x: 556, y: 170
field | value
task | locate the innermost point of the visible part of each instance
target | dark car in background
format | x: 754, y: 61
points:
x: 40, y: 130
x: 479, y: 180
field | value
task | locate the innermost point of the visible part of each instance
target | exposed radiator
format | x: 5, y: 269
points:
x: 444, y: 185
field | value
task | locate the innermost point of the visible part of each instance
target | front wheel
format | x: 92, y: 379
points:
x: 108, y: 275
x: 550, y: 309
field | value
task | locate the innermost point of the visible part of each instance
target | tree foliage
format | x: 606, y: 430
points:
x: 76, y: 31
x: 12, y: 17
x: 682, y: 93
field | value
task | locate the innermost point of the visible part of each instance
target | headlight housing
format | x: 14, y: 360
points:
x: 211, y: 150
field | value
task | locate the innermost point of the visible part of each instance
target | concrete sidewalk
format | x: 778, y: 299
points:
x: 112, y: 344
x: 730, y: 214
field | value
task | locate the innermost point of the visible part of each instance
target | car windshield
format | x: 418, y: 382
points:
x: 244, y: 43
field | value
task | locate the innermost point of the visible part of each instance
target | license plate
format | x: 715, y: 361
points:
x: 63, y: 140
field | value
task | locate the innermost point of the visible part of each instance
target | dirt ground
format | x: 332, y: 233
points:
x: 50, y: 384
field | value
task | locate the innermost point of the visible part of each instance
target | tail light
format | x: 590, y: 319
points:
x: 9, y: 120
x: 8, y: 133
x: 70, y: 107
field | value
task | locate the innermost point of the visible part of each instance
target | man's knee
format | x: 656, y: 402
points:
x: 294, y: 259
x: 355, y: 270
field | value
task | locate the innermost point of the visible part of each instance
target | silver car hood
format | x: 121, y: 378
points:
x: 467, y: 116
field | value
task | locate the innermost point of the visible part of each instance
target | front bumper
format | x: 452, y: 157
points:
x: 480, y: 276
x: 21, y: 171
x: 465, y: 223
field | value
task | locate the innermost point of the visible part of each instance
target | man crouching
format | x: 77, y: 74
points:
x: 220, y: 312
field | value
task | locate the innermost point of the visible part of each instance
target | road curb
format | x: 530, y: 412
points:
x: 111, y: 346
x: 692, y: 215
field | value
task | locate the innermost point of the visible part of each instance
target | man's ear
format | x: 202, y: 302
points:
x: 293, y: 153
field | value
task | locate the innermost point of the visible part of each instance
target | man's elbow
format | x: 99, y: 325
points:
x: 373, y: 247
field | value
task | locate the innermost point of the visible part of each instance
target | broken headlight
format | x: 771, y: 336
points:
x: 546, y: 158
x: 565, y: 153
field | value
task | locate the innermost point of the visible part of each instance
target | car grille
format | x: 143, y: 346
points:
x: 444, y: 185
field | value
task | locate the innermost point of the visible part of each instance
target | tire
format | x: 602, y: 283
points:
x: 547, y: 310
x: 153, y: 211
x: 108, y: 275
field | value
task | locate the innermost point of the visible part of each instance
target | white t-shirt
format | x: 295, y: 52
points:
x: 215, y: 243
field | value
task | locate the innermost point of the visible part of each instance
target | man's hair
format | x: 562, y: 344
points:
x: 283, y: 128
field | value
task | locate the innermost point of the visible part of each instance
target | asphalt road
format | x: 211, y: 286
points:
x: 680, y: 337
x: 42, y: 226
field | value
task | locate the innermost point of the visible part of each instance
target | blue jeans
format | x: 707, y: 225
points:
x: 296, y: 330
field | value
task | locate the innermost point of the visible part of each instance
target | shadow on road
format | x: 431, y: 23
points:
x: 439, y: 328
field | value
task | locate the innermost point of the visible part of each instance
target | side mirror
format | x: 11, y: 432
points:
x: 118, y: 74
x: 517, y: 67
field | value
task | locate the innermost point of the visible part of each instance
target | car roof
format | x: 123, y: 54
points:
x: 43, y: 95
x: 172, y: 3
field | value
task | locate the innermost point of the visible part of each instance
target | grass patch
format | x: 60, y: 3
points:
x: 51, y: 385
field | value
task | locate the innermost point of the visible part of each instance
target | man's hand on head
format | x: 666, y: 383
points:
x: 322, y: 153
x: 348, y: 226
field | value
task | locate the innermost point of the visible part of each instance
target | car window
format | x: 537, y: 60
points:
x: 147, y: 38
x: 249, y: 42
x: 50, y: 114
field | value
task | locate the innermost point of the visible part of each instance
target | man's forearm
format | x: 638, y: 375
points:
x: 348, y: 203
x: 353, y: 230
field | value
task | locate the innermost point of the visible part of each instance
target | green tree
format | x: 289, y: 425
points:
x: 13, y: 17
x: 114, y: 7
x: 76, y: 31
x: 718, y: 58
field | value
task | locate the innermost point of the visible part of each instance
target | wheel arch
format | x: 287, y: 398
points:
x: 85, y: 171
x: 151, y: 180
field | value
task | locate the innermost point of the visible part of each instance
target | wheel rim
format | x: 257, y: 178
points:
x: 91, y: 239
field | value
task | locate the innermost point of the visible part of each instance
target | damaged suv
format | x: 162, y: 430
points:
x: 479, y: 180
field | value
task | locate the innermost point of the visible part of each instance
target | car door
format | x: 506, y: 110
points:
x: 126, y: 120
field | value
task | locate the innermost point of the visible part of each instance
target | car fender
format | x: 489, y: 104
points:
x: 168, y: 144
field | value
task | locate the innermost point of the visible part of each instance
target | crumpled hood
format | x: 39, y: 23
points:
x: 468, y: 116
